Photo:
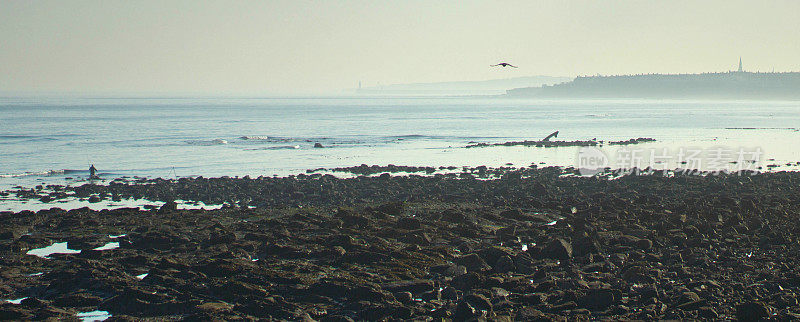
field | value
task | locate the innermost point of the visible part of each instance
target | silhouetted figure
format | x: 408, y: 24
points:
x: 504, y: 65
x: 552, y: 135
x: 92, y: 172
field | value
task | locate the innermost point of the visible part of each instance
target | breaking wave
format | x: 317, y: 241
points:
x: 207, y: 142
x: 37, y: 173
x: 280, y: 147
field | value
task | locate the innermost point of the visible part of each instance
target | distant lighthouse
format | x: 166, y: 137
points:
x: 740, y: 64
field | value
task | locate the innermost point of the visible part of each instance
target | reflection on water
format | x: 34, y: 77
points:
x: 56, y: 248
x: 94, y: 316
x: 108, y: 246
x: 16, y: 301
x: 14, y: 204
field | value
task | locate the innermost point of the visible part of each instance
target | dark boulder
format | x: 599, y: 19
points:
x: 752, y: 311
x: 473, y: 263
x: 600, y: 299
x: 558, y: 249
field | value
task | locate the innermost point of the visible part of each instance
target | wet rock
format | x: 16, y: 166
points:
x: 84, y: 243
x: 392, y: 208
x: 159, y: 240
x: 318, y: 247
x: 220, y: 236
x: 77, y: 300
x: 752, y: 311
x: 644, y: 244
x: 504, y: 265
x: 688, y: 297
x: 330, y: 289
x: 11, y: 312
x: 479, y: 302
x: 464, y: 311
x: 409, y: 223
x: 404, y: 297
x: 214, y: 307
x: 707, y: 313
x: 473, y: 263
x: 600, y: 299
x: 450, y: 293
x: 10, y: 233
x: 168, y: 207
x: 531, y: 314
x: 499, y: 293
x: 416, y: 238
x: 558, y: 249
x: 640, y: 274
x: 534, y: 298
x: 414, y: 286
x: 433, y: 295
x: 33, y: 302
x: 523, y: 263
x: 449, y: 269
x: 468, y: 281
x: 569, y: 305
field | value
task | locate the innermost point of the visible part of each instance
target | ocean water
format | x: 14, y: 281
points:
x: 56, y: 139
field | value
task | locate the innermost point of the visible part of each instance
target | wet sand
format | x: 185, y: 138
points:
x: 487, y: 243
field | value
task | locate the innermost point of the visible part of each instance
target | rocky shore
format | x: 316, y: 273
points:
x: 524, y: 244
x: 554, y: 144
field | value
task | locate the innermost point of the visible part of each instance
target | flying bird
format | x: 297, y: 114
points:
x: 504, y: 65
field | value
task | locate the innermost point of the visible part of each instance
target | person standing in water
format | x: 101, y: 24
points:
x: 92, y: 172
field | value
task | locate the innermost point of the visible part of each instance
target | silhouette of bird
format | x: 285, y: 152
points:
x: 504, y: 65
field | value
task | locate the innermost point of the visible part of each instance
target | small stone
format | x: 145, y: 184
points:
x: 404, y: 297
x: 644, y: 244
x: 455, y: 270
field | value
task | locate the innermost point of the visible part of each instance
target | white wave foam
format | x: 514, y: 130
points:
x: 270, y: 138
x: 254, y: 137
x: 281, y: 147
x: 207, y: 142
x: 40, y: 173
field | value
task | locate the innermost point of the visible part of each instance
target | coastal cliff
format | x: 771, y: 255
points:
x: 728, y: 85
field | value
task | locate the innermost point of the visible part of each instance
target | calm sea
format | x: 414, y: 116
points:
x: 47, y: 140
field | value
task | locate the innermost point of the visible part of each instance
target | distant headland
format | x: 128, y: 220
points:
x: 725, y: 85
x: 459, y: 88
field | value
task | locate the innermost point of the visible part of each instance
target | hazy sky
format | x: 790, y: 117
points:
x: 294, y: 47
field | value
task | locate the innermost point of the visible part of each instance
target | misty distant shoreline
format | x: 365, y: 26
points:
x: 462, y: 88
x: 727, y: 85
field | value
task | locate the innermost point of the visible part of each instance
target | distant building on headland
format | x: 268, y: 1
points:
x: 726, y: 85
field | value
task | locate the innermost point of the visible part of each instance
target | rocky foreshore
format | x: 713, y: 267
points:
x: 555, y: 144
x: 530, y: 244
